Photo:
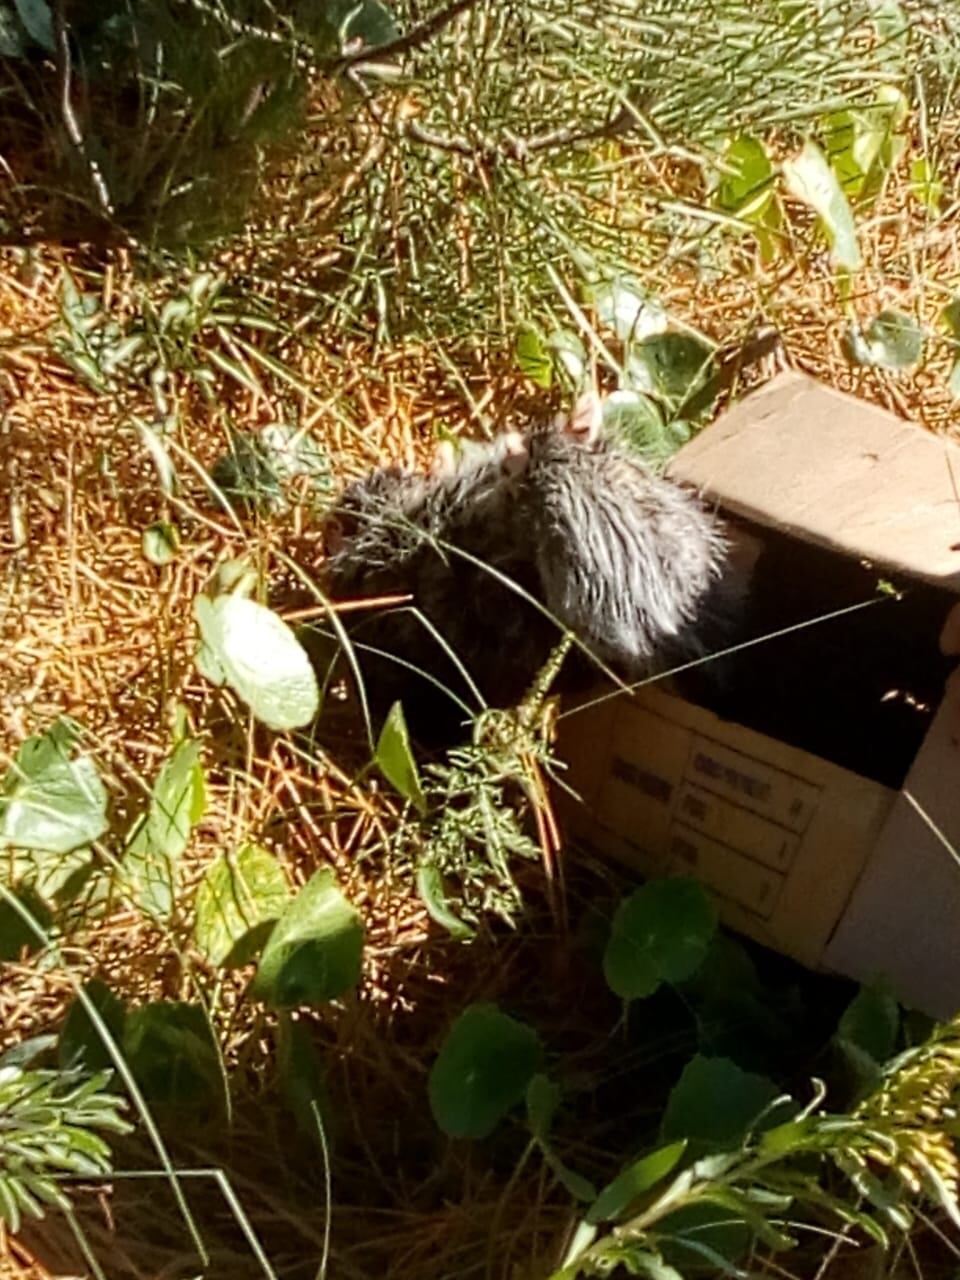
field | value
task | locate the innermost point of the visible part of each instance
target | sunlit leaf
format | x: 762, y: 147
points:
x: 51, y: 800
x: 394, y: 758
x: 315, y: 949
x: 430, y: 889
x: 926, y: 186
x: 635, y: 1180
x: 239, y: 899
x: 260, y: 658
x: 624, y: 306
x: 809, y: 178
x: 892, y: 340
x: 160, y: 542
x: 533, y: 358
x: 670, y: 368
x: 159, y: 837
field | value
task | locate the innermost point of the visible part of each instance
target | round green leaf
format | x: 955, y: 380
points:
x: 48, y: 800
x: 238, y: 902
x: 482, y: 1070
x: 744, y: 184
x: 660, y: 934
x: 871, y: 1022
x: 261, y: 659
x: 80, y: 1043
x: 173, y: 1055
x: 623, y: 306
x: 892, y: 340
x: 715, y: 1103
x: 315, y: 949
x: 160, y: 542
x: 670, y: 367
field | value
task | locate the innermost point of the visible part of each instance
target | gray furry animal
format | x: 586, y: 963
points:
x: 627, y: 560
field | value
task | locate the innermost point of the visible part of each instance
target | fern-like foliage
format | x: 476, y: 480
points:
x: 50, y: 1126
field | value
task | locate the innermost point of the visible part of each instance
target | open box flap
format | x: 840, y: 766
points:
x: 797, y: 455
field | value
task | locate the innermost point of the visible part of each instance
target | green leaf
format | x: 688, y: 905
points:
x: 926, y: 186
x: 569, y: 352
x: 293, y: 451
x: 622, y: 305
x: 950, y: 315
x: 238, y: 901
x: 533, y: 358
x: 160, y: 542
x: 80, y: 1043
x: 430, y: 889
x: 809, y: 178
x: 863, y: 144
x: 302, y: 1079
x: 660, y: 933
x: 703, y: 1232
x: 315, y: 949
x: 173, y: 1055
x: 744, y: 179
x: 954, y: 381
x: 394, y: 758
x: 715, y: 1104
x: 635, y: 1181
x: 261, y: 659
x: 482, y: 1070
x: 892, y: 340
x: 543, y: 1098
x: 871, y: 1021
x: 36, y: 18
x: 16, y: 935
x: 671, y: 368
x: 160, y: 836
x: 48, y: 801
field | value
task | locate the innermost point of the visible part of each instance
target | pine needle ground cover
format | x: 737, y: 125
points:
x: 259, y: 1020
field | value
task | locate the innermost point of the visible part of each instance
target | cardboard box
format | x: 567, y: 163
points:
x: 822, y: 808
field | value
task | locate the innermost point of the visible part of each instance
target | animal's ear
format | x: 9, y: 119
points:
x: 444, y: 459
x: 586, y: 418
x: 515, y: 454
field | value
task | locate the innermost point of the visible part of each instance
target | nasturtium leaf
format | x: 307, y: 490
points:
x: 634, y: 1181
x: 715, y: 1104
x: 624, y: 306
x: 871, y: 1022
x: 51, y: 800
x: 293, y: 451
x: 660, y: 933
x: 260, y: 658
x: 315, y: 949
x: 430, y: 889
x: 543, y: 1098
x: 809, y: 178
x: 670, y: 368
x: 80, y: 1043
x: 533, y: 358
x: 394, y: 758
x: 482, y: 1071
x: 238, y: 902
x: 892, y: 340
x: 172, y: 1053
x: 160, y: 542
x: 863, y: 143
x: 159, y: 837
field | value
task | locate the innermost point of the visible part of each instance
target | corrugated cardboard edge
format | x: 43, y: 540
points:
x: 835, y: 471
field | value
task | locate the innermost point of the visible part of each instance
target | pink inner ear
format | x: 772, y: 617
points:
x: 586, y: 418
x: 514, y: 458
x: 444, y: 458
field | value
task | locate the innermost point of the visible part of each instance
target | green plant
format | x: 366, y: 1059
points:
x: 50, y: 1126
